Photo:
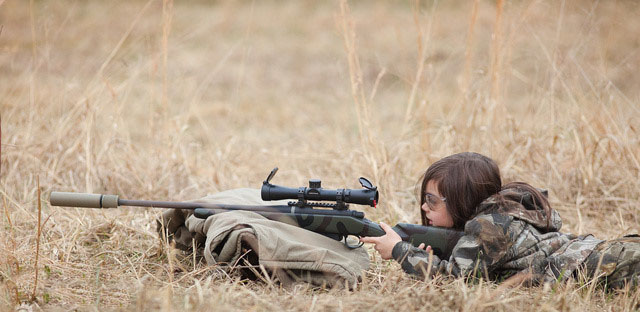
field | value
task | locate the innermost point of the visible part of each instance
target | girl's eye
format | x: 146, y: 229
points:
x: 433, y: 200
x: 430, y: 200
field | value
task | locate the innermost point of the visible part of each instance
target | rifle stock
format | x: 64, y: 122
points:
x: 441, y: 240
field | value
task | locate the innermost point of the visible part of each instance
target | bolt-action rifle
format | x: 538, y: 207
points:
x: 310, y: 211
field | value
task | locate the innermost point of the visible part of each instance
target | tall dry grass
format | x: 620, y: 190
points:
x: 174, y: 100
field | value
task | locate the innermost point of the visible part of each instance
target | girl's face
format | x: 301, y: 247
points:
x: 435, y: 207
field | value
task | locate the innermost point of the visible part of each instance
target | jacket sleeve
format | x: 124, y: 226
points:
x: 481, y: 250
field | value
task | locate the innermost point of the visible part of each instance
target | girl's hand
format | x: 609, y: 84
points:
x: 384, y: 244
x: 421, y: 246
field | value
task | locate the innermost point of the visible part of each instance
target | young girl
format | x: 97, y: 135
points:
x: 509, y: 231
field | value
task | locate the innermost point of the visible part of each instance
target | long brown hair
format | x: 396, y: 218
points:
x: 465, y: 180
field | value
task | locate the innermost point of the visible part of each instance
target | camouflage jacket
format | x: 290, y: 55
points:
x: 511, y: 235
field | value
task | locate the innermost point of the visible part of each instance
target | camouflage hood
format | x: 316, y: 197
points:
x: 520, y: 204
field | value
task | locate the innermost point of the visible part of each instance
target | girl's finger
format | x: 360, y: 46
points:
x: 421, y: 246
x: 373, y: 240
x: 385, y: 227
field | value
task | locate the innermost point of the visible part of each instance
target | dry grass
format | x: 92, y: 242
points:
x: 163, y: 100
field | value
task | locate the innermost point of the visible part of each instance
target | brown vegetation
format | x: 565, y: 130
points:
x: 163, y: 100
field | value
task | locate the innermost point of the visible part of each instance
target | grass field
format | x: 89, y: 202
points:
x: 173, y: 101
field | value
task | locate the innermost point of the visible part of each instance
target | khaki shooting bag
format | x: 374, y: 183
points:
x: 263, y: 248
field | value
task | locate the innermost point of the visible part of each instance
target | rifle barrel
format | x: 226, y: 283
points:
x: 86, y: 200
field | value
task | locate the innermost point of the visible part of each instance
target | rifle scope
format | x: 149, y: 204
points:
x: 366, y: 196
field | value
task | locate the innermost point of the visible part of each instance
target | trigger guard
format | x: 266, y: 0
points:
x: 352, y: 246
